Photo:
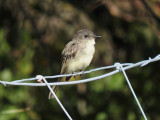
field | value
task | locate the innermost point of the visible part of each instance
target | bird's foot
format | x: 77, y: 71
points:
x: 82, y: 75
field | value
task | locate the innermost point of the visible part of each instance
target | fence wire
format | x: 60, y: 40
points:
x: 118, y: 67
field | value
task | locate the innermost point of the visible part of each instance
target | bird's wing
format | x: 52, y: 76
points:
x: 69, y: 51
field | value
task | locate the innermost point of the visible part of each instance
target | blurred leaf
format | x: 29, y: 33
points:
x: 4, y: 46
x: 6, y: 75
x: 116, y: 82
x: 25, y: 65
x: 101, y: 116
x: 131, y: 116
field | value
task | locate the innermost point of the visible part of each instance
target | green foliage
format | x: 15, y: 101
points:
x: 6, y: 74
x: 32, y: 36
x: 116, y: 82
x: 4, y: 46
x: 101, y: 116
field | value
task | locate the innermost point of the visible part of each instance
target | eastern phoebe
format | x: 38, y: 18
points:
x: 77, y: 54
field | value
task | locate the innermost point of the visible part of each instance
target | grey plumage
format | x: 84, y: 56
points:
x: 77, y: 54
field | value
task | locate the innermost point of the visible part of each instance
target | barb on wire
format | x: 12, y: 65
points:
x: 119, y: 67
x: 147, y: 62
x: 1, y: 82
x: 151, y: 60
x: 126, y: 66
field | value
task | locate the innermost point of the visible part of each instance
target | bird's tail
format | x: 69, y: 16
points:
x: 54, y: 88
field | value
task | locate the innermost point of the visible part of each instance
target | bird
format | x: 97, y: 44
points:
x: 77, y: 55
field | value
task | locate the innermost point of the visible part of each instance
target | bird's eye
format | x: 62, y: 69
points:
x: 85, y: 36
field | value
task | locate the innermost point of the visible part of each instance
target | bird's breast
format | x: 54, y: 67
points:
x: 82, y: 59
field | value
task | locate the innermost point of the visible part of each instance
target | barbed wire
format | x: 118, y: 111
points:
x: 117, y: 66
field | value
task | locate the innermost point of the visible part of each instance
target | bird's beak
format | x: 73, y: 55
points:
x: 97, y: 36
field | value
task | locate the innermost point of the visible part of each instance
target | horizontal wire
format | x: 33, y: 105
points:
x: 67, y: 75
x: 125, y: 65
x: 118, y: 67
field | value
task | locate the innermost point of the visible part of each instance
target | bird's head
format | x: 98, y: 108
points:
x: 85, y: 35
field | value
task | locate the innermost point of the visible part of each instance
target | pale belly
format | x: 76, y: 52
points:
x: 82, y: 60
